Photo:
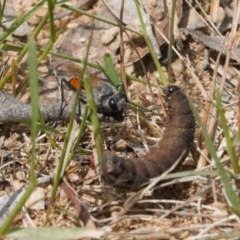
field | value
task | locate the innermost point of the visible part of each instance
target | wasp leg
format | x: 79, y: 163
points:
x: 62, y: 95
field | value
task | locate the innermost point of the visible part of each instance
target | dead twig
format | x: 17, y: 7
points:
x: 12, y: 110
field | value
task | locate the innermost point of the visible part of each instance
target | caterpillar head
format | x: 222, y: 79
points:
x: 170, y: 90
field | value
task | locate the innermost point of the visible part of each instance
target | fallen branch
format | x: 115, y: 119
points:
x: 12, y: 110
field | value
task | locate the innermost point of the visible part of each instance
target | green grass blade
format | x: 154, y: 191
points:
x: 2, y: 6
x: 92, y: 108
x: 150, y: 46
x: 232, y: 196
x: 19, y: 21
x: 110, y: 69
x: 88, y: 14
x: 62, y: 161
x: 94, y: 118
x: 171, y: 35
x: 51, y: 19
x: 33, y: 82
x: 34, y: 92
x: 80, y: 133
x: 230, y: 146
x: 23, y: 50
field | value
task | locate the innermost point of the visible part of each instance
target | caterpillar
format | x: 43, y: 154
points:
x: 177, y: 139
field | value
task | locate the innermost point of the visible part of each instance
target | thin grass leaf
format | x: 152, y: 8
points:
x: 23, y: 50
x: 205, y: 173
x: 10, y: 47
x: 92, y: 16
x: 8, y: 222
x: 34, y: 92
x: 19, y: 21
x: 230, y: 145
x: 232, y: 196
x: 110, y: 69
x: 44, y: 52
x: 229, y: 141
x: 43, y: 127
x: 51, y: 4
x: 92, y: 107
x: 2, y: 7
x: 62, y: 161
x: 14, y: 76
x: 150, y: 46
x: 80, y: 133
x: 88, y: 89
x: 21, y: 86
x: 171, y: 36
x: 33, y: 82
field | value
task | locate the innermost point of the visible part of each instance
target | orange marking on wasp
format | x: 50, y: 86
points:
x: 108, y: 100
x: 75, y: 82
